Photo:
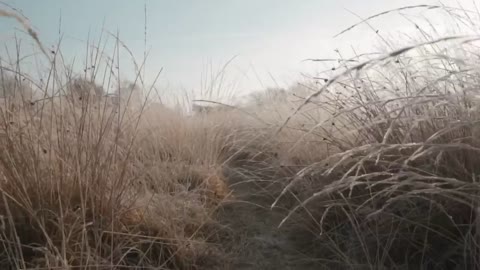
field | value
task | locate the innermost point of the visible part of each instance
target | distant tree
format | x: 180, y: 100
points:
x: 205, y: 109
x: 270, y: 95
x: 202, y: 109
x: 81, y: 88
x: 12, y: 87
x: 14, y: 95
x: 130, y: 92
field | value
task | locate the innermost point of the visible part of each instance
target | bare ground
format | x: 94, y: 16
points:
x: 255, y: 241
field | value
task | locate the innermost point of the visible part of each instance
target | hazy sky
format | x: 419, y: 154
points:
x: 187, y: 38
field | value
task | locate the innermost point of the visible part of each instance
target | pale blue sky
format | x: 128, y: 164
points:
x: 185, y: 37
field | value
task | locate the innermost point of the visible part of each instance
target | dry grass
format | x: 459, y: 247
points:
x: 96, y: 182
x: 79, y: 189
x: 378, y: 164
x: 401, y: 191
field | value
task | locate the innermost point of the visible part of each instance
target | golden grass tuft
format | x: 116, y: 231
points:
x: 82, y: 187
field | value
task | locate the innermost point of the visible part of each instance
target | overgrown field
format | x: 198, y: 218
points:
x: 373, y: 164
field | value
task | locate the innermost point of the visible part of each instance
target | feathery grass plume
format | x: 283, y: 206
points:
x: 366, y: 64
x: 26, y: 25
x: 386, y: 13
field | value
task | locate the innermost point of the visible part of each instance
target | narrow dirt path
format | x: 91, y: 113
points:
x: 256, y: 240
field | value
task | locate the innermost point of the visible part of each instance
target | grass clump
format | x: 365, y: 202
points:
x: 86, y: 183
x: 401, y: 190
